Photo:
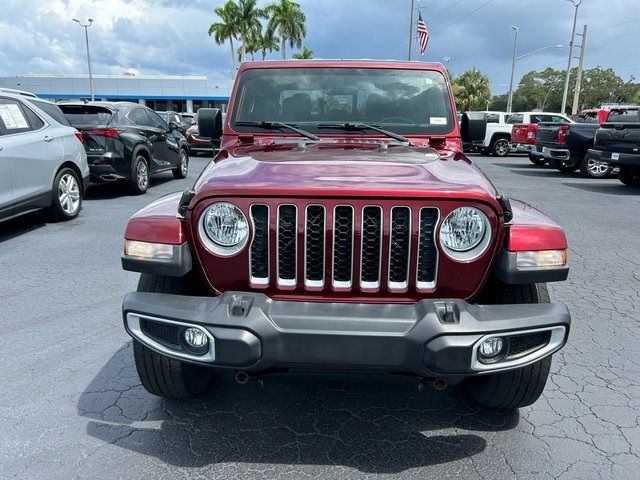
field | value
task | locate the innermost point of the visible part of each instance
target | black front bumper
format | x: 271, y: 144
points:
x: 624, y: 159
x: 432, y: 338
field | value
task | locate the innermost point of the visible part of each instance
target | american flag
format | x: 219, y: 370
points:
x: 423, y: 34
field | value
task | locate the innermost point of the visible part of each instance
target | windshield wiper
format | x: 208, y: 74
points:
x: 365, y: 126
x: 269, y: 124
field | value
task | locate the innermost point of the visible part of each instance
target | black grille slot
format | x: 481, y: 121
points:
x: 520, y: 344
x: 287, y: 232
x: 314, y: 253
x: 399, y: 248
x: 371, y: 244
x: 161, y: 332
x: 260, y: 244
x: 427, y: 253
x: 342, y: 243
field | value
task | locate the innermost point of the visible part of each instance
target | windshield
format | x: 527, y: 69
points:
x: 402, y: 101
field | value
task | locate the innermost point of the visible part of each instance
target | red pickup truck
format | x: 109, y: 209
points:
x: 523, y: 139
x: 340, y: 228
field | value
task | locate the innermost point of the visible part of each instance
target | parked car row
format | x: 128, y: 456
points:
x: 50, y: 153
x: 594, y: 148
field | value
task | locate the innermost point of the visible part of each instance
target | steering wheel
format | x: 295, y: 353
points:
x: 397, y: 120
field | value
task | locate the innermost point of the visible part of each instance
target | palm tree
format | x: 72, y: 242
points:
x: 268, y: 42
x: 472, y: 90
x: 226, y: 29
x: 248, y: 23
x: 286, y: 18
x: 303, y: 54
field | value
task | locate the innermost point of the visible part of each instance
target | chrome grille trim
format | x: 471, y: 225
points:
x: 286, y: 282
x: 261, y: 281
x: 371, y: 285
x: 342, y: 284
x: 399, y: 285
x: 311, y: 283
x: 422, y: 285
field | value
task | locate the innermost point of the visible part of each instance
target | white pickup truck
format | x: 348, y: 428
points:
x: 499, y: 124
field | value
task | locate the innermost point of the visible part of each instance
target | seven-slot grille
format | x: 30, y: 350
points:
x: 343, y: 247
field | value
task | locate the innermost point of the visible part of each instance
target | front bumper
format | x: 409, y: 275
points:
x: 615, y: 159
x: 431, y: 338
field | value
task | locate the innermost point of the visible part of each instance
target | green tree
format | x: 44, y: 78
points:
x: 226, y: 28
x: 248, y: 23
x: 268, y: 43
x: 499, y: 102
x: 303, y: 54
x: 472, y: 90
x: 289, y: 22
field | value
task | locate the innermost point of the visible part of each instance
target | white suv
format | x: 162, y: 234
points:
x: 43, y: 163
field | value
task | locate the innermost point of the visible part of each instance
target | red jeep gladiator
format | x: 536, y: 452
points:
x: 340, y: 228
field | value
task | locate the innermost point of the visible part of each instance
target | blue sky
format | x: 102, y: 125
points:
x: 170, y: 36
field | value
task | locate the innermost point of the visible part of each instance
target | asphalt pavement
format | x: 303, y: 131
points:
x: 72, y: 407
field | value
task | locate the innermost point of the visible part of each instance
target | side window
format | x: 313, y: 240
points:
x: 156, y: 120
x: 517, y: 118
x: 15, y: 118
x: 140, y: 117
x: 53, y: 111
x: 176, y: 119
x: 558, y: 119
x: 493, y: 118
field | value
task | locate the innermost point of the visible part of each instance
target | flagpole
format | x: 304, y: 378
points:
x: 411, y: 28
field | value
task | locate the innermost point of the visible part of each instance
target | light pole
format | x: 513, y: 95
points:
x: 513, y: 67
x: 86, y: 40
x: 576, y: 4
x: 519, y: 57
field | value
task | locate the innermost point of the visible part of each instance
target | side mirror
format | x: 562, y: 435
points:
x: 210, y: 123
x: 473, y: 127
x: 173, y: 126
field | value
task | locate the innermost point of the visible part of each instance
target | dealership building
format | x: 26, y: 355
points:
x: 177, y: 93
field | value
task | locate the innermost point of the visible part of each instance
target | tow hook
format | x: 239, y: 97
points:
x: 439, y: 384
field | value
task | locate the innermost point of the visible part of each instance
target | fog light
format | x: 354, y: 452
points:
x: 196, y: 340
x: 491, y: 349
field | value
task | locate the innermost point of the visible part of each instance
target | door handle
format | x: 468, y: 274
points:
x: 47, y: 138
x: 1, y: 148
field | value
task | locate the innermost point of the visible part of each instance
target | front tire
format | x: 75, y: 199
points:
x: 183, y: 168
x: 514, y: 388
x: 161, y: 375
x: 630, y: 176
x: 66, y: 195
x: 500, y: 147
x: 594, y: 168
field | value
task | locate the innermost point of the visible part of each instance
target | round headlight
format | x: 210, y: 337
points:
x: 463, y: 229
x: 225, y: 224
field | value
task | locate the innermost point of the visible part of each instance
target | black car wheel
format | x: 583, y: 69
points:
x: 514, y: 388
x: 139, y: 181
x: 630, y: 176
x: 594, y: 168
x: 183, y: 168
x: 500, y: 147
x: 161, y: 375
x: 564, y: 166
x: 536, y: 160
x: 66, y: 195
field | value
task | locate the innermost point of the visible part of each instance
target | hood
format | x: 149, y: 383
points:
x: 344, y: 171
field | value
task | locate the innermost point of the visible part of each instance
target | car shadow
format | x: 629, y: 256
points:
x: 617, y: 188
x: 23, y: 224
x: 376, y: 424
x: 543, y: 172
x: 106, y: 191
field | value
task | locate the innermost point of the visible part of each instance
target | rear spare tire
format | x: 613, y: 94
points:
x: 630, y: 176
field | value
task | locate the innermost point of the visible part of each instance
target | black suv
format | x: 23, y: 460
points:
x: 174, y: 120
x: 128, y: 141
